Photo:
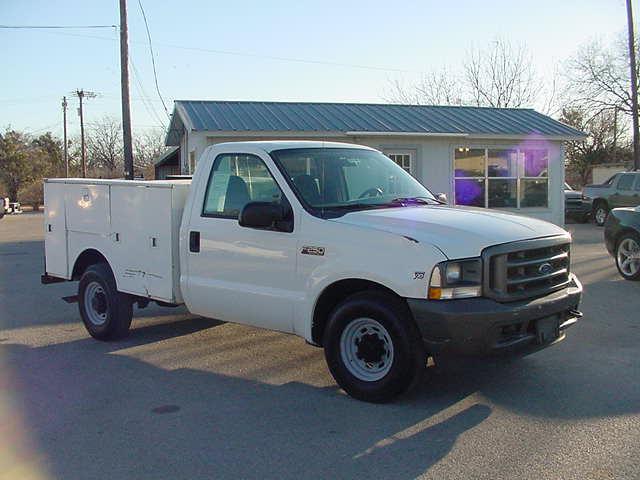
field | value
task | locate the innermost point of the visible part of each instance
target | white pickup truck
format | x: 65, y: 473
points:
x: 332, y: 242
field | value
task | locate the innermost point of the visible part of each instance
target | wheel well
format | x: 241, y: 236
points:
x: 332, y: 296
x: 85, y: 260
x: 600, y: 201
x: 624, y: 231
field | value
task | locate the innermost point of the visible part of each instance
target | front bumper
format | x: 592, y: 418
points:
x: 480, y: 326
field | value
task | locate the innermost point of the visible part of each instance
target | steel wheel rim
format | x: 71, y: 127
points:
x: 95, y: 303
x: 362, y: 339
x: 601, y: 215
x: 628, y: 257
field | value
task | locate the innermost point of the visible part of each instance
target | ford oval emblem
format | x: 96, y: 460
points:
x: 545, y: 268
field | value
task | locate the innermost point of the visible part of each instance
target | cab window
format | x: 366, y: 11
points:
x: 236, y: 180
x: 626, y: 181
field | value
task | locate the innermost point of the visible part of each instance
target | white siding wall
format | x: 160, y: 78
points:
x: 433, y: 163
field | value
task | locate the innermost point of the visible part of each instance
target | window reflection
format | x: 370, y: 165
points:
x: 469, y: 162
x: 470, y: 191
x: 502, y: 163
x: 501, y: 177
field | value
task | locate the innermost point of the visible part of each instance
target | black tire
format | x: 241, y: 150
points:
x: 635, y: 239
x: 115, y: 309
x: 408, y: 358
x: 600, y: 212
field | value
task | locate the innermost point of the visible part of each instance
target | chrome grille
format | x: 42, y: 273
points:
x: 527, y: 269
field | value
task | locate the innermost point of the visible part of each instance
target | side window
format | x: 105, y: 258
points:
x: 626, y: 181
x: 236, y: 180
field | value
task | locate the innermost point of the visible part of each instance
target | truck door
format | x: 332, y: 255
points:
x: 239, y: 274
x: 623, y: 196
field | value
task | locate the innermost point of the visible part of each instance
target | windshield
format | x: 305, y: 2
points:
x: 349, y: 178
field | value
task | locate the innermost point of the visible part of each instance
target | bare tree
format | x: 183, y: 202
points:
x: 434, y: 88
x: 105, y: 147
x: 598, y: 78
x: 501, y: 75
x: 147, y: 146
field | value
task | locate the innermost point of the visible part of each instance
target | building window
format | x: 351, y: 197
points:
x: 404, y: 159
x: 501, y: 177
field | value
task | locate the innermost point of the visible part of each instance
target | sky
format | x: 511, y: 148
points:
x: 280, y: 50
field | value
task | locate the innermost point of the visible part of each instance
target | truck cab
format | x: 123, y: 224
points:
x: 339, y: 245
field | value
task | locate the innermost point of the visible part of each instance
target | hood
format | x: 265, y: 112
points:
x: 459, y: 232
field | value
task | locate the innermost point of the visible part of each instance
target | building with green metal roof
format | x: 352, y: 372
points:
x: 506, y: 158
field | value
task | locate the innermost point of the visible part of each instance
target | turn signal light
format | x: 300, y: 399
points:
x: 435, y: 293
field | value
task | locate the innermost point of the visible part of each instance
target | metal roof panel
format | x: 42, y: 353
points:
x: 364, y: 117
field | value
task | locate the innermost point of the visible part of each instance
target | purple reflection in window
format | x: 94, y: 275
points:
x: 536, y: 163
x: 470, y: 192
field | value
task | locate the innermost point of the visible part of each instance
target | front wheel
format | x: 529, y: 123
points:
x: 373, y: 348
x: 106, y: 313
x: 600, y: 213
x: 628, y: 256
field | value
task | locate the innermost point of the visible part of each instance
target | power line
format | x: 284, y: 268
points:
x: 259, y: 56
x: 34, y: 27
x: 146, y: 101
x: 153, y: 61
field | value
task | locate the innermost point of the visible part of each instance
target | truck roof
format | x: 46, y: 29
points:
x: 271, y: 145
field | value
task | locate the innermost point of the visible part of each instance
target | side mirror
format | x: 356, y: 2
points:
x: 442, y: 197
x: 261, y: 214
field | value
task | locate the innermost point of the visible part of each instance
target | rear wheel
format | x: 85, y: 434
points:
x: 373, y: 348
x: 106, y: 313
x: 600, y: 213
x: 628, y: 256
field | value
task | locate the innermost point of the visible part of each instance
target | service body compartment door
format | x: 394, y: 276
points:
x: 55, y: 230
x: 87, y: 208
x: 142, y: 231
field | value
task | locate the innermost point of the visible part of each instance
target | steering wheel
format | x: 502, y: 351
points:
x: 372, y: 192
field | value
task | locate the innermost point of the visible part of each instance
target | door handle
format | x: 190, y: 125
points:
x: 194, y: 241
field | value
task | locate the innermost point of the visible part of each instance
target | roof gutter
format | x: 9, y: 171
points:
x: 479, y: 136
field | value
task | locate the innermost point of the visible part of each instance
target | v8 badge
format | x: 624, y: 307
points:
x: 418, y: 275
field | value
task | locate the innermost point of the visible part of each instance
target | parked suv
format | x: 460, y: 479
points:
x: 621, y: 190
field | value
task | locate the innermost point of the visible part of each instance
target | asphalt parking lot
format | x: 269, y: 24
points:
x: 186, y: 397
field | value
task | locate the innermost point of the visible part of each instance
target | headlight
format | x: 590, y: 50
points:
x: 456, y: 279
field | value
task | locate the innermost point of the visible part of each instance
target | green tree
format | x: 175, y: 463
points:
x: 24, y: 161
x: 17, y: 161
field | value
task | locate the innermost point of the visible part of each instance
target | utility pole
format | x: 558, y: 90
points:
x: 124, y: 84
x: 64, y: 130
x: 634, y: 88
x: 81, y: 95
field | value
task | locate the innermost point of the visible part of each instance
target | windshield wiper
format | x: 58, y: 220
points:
x: 349, y: 206
x: 420, y: 200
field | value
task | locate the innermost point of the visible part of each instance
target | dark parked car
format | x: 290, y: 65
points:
x: 622, y: 238
x: 576, y: 206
